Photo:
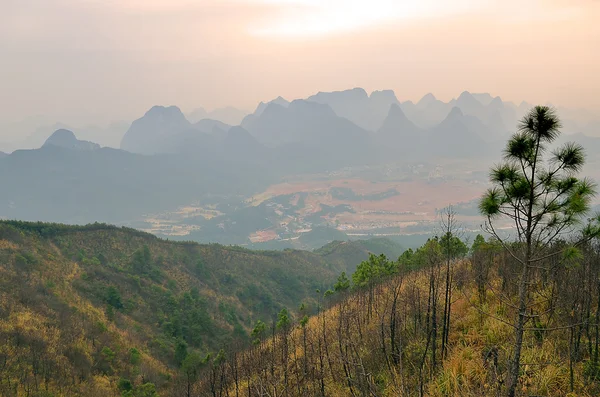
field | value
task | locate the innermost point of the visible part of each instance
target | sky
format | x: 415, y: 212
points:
x: 80, y: 61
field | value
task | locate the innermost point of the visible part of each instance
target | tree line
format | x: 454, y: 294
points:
x: 516, y: 313
x: 520, y: 316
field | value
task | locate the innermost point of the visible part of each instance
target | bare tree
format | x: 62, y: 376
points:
x: 452, y: 247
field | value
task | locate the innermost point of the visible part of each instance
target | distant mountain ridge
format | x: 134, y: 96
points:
x: 148, y: 134
x: 167, y: 130
x: 334, y: 120
x: 399, y: 135
x: 302, y: 122
x: 309, y: 136
x: 397, y: 120
x: 67, y: 139
x: 166, y: 161
x: 458, y: 135
x: 212, y: 126
x: 368, y: 112
x: 228, y: 115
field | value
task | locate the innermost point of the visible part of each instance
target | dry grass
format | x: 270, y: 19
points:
x: 468, y: 369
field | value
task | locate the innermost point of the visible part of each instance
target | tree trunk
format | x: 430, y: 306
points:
x: 446, y: 323
x: 513, y: 375
x: 597, y: 326
x: 434, y: 338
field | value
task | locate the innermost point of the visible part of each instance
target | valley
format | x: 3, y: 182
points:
x: 342, y: 165
x: 299, y: 198
x: 355, y: 202
x: 83, y: 306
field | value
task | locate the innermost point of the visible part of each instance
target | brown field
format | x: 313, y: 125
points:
x: 420, y: 197
x: 413, y: 208
x: 263, y: 235
x: 415, y: 205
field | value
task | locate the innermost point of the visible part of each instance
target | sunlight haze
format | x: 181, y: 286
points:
x: 79, y: 61
x: 299, y: 198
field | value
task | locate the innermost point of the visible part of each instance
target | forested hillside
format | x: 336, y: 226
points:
x: 520, y: 317
x: 430, y: 324
x: 91, y: 310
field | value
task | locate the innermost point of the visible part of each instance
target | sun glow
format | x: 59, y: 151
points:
x: 314, y: 18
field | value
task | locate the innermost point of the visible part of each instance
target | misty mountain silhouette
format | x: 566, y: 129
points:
x: 429, y: 128
x: 427, y: 100
x: 166, y: 130
x: 150, y: 133
x: 380, y: 103
x: 468, y: 104
x: 351, y: 104
x: 55, y: 183
x: 458, y: 135
x: 398, y: 129
x: 278, y: 101
x: 396, y: 120
x: 367, y: 112
x: 304, y: 122
x: 72, y: 180
x: 398, y: 136
x: 241, y: 148
x: 212, y: 126
x: 67, y: 139
x: 428, y: 112
x: 227, y: 115
x: 251, y: 118
x: 484, y: 98
x: 498, y: 116
x: 196, y: 115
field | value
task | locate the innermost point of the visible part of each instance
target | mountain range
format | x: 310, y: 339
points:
x: 367, y: 111
x: 166, y: 161
x: 227, y: 115
x: 67, y: 139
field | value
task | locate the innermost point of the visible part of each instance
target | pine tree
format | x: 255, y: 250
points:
x: 539, y: 193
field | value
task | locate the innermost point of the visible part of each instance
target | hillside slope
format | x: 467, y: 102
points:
x: 386, y: 338
x: 354, y: 252
x: 84, y: 306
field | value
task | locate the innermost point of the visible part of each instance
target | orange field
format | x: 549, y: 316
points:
x: 416, y: 202
x: 415, y: 196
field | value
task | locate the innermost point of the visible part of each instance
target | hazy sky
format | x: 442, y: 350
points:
x: 99, y: 60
